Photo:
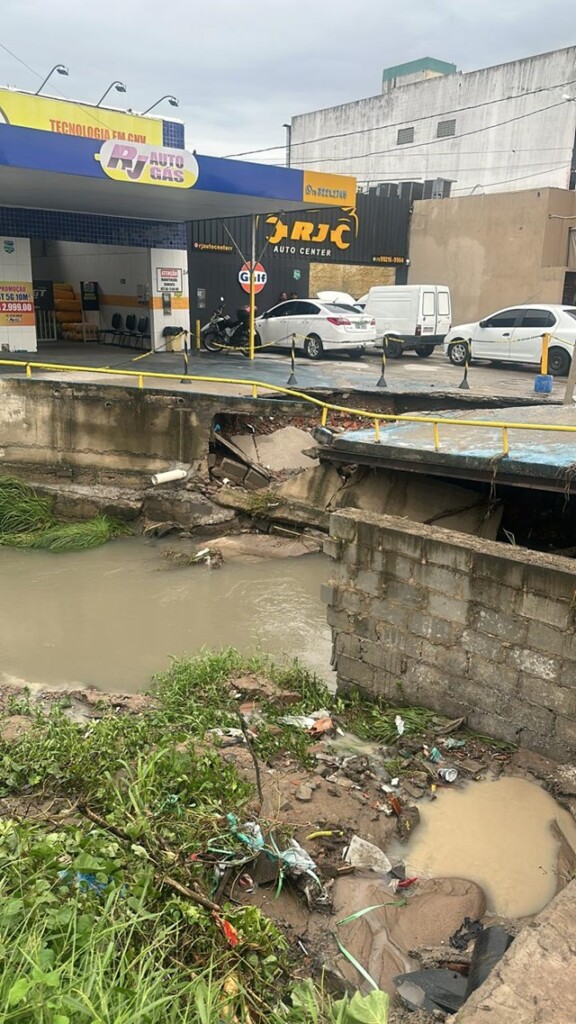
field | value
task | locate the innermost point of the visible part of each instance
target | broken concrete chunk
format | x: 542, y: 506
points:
x: 233, y: 471
x: 362, y: 854
x: 255, y: 481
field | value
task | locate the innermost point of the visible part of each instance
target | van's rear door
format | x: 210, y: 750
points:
x: 427, y: 318
x: 443, y: 311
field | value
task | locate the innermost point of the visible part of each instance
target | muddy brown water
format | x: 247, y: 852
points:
x: 111, y: 617
x: 496, y: 833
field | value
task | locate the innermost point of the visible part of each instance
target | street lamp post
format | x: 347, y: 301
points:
x: 288, y: 128
x: 119, y: 86
x: 171, y: 100
x: 60, y: 68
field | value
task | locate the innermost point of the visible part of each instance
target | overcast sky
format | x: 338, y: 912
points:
x: 241, y: 68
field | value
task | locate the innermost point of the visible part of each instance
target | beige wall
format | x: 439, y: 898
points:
x: 493, y: 250
x: 344, y: 277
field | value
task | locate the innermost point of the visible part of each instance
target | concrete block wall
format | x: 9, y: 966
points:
x: 422, y: 615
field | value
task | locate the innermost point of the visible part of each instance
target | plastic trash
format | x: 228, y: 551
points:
x: 362, y: 854
x: 395, y: 805
x: 435, y: 756
x: 86, y: 881
x: 305, y: 721
x: 465, y: 933
x: 249, y: 833
x: 436, y: 989
x: 451, y: 743
x: 489, y: 948
x: 400, y: 725
x: 296, y: 860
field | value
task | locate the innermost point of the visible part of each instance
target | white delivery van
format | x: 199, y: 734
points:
x: 417, y: 316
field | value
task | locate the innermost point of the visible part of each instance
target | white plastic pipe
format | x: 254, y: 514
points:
x: 168, y: 476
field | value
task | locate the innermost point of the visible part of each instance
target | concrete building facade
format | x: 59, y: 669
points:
x: 496, y: 250
x: 499, y: 129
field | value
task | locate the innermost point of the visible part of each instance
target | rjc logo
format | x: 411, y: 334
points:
x: 341, y: 235
x: 9, y: 246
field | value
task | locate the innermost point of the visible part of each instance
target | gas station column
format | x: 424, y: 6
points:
x: 17, y: 320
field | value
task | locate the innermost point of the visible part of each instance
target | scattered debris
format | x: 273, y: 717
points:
x: 206, y: 556
x: 467, y: 931
x: 489, y: 948
x: 362, y: 854
x: 432, y: 990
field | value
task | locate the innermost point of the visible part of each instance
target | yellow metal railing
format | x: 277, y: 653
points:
x: 377, y: 418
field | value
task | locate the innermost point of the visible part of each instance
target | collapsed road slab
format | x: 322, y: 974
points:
x: 543, y: 458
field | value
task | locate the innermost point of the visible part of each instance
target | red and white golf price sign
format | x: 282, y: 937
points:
x: 260, y: 277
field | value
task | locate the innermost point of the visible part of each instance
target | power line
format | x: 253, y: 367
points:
x: 509, y: 181
x: 489, y: 184
x: 87, y: 108
x: 431, y: 142
x: 420, y: 172
x: 471, y: 152
x: 20, y: 61
x: 397, y: 124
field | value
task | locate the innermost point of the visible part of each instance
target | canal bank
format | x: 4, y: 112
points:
x: 285, y: 768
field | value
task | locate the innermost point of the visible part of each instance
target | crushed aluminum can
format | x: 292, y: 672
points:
x: 448, y: 774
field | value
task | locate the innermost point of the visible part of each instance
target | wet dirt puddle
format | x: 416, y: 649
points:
x: 498, y: 834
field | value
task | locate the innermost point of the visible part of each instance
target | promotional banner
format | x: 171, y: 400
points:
x: 16, y: 304
x: 65, y: 117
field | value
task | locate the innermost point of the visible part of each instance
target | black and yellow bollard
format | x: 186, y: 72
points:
x: 464, y: 385
x: 382, y: 379
x: 292, y: 378
x: 185, y: 358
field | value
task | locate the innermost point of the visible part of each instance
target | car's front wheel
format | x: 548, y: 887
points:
x: 457, y: 352
x: 313, y: 347
x: 558, y: 362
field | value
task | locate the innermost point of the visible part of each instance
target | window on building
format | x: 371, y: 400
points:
x: 445, y: 129
x: 404, y: 135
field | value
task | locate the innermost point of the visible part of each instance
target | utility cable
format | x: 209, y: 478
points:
x: 414, y: 120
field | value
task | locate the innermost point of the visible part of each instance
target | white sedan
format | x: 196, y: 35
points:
x: 515, y: 335
x: 318, y: 327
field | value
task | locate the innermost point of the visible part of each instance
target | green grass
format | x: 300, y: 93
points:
x: 68, y: 536
x: 21, y: 510
x: 372, y: 719
x: 27, y: 521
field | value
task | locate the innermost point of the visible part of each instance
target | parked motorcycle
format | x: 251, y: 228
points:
x: 222, y: 331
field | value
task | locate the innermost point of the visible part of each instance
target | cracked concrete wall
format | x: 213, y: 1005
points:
x: 89, y: 430
x: 464, y: 625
